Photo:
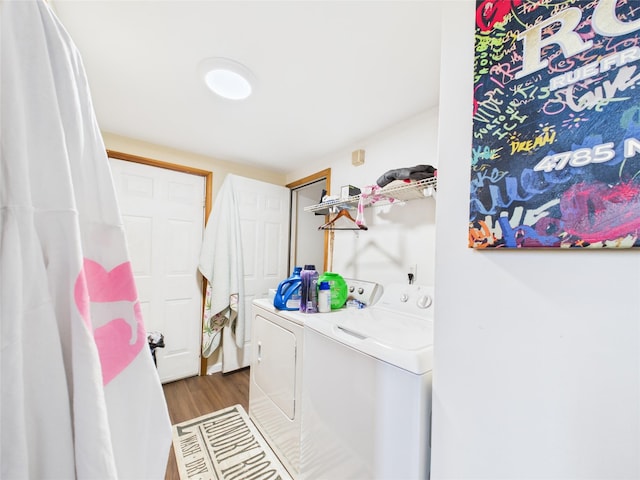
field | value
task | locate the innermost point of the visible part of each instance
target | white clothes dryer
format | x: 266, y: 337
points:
x: 366, y: 402
x: 276, y: 380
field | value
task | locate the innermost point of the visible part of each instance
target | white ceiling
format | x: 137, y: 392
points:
x: 329, y: 73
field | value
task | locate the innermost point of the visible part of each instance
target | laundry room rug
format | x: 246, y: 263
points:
x: 224, y: 445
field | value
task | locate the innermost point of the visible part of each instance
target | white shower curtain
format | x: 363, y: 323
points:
x: 80, y: 394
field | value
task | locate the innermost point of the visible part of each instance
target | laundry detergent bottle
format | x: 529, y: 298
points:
x: 287, y: 295
x: 339, y: 289
x: 309, y: 290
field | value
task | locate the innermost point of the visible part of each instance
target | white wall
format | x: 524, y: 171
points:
x: 220, y: 168
x: 398, y: 235
x: 537, y: 353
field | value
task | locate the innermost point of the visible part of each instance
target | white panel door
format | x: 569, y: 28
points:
x: 163, y: 215
x: 264, y: 223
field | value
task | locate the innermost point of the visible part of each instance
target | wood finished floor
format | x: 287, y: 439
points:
x: 197, y: 396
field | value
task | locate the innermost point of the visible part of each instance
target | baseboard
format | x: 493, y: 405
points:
x: 215, y: 368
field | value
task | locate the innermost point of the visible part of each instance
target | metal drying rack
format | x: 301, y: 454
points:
x: 396, y: 191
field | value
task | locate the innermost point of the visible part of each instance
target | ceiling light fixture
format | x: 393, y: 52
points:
x: 227, y: 78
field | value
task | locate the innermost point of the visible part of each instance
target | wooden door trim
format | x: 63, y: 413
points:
x: 172, y: 166
x: 314, y: 177
x: 208, y: 176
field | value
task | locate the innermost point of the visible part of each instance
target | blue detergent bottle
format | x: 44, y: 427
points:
x: 287, y: 295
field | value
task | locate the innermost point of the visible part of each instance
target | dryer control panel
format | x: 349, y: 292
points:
x: 363, y: 291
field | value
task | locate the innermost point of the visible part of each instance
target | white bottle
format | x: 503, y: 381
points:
x: 324, y: 297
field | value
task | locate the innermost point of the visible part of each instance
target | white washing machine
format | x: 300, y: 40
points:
x: 366, y: 401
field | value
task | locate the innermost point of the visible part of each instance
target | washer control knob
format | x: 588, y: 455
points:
x: 424, y: 301
x: 404, y: 297
x: 351, y: 289
x: 361, y: 290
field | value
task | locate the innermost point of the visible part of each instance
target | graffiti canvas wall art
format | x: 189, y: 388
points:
x: 556, y: 124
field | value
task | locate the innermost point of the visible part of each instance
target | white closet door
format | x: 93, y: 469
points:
x: 264, y: 222
x: 163, y: 215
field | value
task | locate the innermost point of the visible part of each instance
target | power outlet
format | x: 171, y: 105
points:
x: 412, y: 271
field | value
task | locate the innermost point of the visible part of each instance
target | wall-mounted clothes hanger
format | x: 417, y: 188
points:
x: 352, y: 225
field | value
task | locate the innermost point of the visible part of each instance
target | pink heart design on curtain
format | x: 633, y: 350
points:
x: 117, y: 343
